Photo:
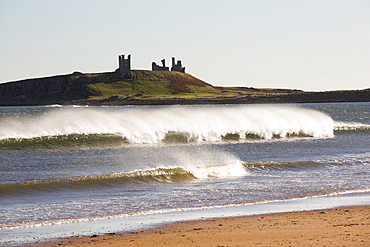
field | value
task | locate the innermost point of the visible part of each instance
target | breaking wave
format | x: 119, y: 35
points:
x: 186, y: 173
x: 164, y: 125
x: 158, y: 175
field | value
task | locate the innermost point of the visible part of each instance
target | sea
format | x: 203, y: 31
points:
x: 65, y: 165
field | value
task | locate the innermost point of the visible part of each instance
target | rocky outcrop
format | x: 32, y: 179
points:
x: 49, y: 90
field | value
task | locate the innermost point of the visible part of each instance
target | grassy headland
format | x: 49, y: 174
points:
x: 153, y: 87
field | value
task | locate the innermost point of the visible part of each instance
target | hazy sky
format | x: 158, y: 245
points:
x: 309, y: 45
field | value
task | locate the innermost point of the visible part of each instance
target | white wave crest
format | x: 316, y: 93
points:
x: 151, y: 125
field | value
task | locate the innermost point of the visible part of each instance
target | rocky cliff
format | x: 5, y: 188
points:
x: 49, y: 90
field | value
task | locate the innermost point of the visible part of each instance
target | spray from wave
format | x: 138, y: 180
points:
x: 350, y: 126
x: 171, y: 124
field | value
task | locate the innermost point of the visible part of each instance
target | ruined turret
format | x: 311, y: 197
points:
x: 178, y: 66
x: 124, y: 66
x: 156, y: 67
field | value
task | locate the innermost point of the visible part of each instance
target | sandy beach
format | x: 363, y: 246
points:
x: 349, y: 226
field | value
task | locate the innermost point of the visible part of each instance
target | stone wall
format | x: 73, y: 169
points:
x: 156, y: 67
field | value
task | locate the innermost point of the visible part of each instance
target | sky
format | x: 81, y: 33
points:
x: 312, y: 45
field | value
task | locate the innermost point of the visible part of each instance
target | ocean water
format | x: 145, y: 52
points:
x: 60, y: 165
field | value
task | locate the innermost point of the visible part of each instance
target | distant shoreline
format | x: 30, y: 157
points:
x: 154, y: 88
x: 216, y: 101
x: 305, y: 98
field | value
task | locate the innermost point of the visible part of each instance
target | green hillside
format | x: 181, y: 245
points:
x: 146, y: 83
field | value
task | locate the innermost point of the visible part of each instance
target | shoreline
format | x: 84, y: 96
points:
x: 345, y: 226
x: 188, y: 102
x: 51, y: 234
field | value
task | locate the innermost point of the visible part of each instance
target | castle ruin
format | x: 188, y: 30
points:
x: 177, y: 67
x: 156, y: 67
x: 124, y: 66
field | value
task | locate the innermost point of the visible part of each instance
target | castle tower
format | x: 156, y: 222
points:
x: 178, y: 66
x: 124, y: 66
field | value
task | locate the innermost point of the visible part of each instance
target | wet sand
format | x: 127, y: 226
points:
x: 349, y: 226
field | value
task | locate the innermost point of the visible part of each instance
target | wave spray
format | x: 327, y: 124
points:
x: 154, y: 125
